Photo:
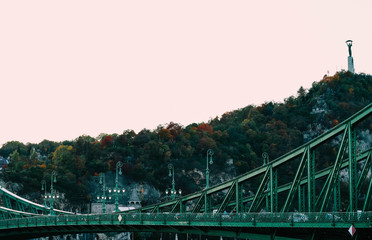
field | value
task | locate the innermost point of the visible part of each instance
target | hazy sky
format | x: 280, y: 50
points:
x: 69, y: 68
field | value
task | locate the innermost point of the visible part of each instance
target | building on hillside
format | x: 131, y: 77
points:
x: 134, y: 202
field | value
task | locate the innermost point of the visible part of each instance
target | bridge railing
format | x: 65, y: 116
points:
x: 288, y: 219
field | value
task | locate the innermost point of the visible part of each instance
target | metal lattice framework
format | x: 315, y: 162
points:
x: 15, y: 206
x: 291, y: 182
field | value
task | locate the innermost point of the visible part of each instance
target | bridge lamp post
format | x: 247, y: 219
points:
x: 117, y: 190
x: 43, y: 188
x: 171, y: 174
x: 53, y: 179
x: 210, y: 161
x: 265, y: 157
x: 102, y: 181
x: 173, y: 191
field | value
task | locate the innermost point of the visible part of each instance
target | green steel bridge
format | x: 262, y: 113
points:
x: 304, y: 194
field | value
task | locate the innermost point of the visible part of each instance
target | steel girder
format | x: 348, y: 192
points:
x: 254, y: 226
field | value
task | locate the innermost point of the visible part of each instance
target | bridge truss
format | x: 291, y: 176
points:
x: 15, y: 206
x: 303, y: 180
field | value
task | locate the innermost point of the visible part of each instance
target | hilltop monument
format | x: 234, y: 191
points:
x: 350, y: 60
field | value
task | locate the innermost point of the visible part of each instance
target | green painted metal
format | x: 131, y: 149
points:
x: 102, y: 181
x: 238, y: 198
x: 342, y: 127
x: 182, y: 207
x: 53, y: 179
x: 266, y: 160
x: 260, y: 192
x: 14, y: 202
x: 367, y: 202
x: 207, y: 203
x: 301, y: 199
x: 243, y: 225
x: 333, y: 177
x: 273, y: 190
x: 353, y: 200
x: 233, y: 189
x: 7, y: 201
x: 175, y: 206
x: 322, y: 173
x: 310, y: 179
x: 296, y: 182
x: 209, y: 161
x: 199, y: 203
x: 337, y: 197
x: 366, y: 168
x: 283, y: 188
x: 155, y: 210
x: 119, y: 165
x: 20, y: 207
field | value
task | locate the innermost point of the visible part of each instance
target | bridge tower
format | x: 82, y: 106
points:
x: 350, y: 60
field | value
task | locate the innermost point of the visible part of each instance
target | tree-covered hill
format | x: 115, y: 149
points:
x: 238, y: 139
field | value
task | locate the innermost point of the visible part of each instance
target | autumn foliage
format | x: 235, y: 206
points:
x: 108, y: 140
x: 205, y: 127
x: 239, y: 136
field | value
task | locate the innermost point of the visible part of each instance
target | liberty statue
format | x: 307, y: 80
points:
x: 350, y: 60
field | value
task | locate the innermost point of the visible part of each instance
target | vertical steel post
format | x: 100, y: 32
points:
x: 311, y: 179
x: 336, y: 196
x: 299, y: 199
x: 265, y: 157
x: 118, y: 166
x: 206, y: 197
x: 273, y: 190
x: 181, y: 206
x: 103, y: 182
x: 207, y: 203
x: 171, y: 174
x: 238, y: 198
x: 303, y: 198
x: 53, y: 179
x: 352, y: 170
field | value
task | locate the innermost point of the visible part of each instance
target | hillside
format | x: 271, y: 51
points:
x: 238, y: 139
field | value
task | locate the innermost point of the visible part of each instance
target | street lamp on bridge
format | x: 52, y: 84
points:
x: 102, y: 181
x: 43, y: 188
x: 173, y: 191
x: 265, y: 157
x: 117, y: 190
x: 53, y: 179
x: 210, y: 161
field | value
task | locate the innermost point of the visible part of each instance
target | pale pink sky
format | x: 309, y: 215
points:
x: 69, y: 68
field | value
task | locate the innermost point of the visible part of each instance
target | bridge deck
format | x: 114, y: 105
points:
x: 245, y: 224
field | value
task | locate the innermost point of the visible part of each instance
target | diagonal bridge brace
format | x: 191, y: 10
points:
x: 260, y: 192
x: 199, y: 203
x: 296, y: 181
x: 227, y: 198
x: 322, y: 201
